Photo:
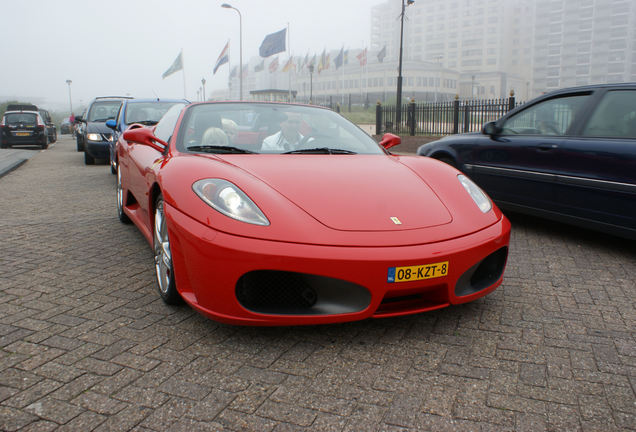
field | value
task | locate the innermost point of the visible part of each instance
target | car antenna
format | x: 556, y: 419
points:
x: 155, y: 93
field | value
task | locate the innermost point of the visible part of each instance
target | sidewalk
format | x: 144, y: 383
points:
x: 10, y: 159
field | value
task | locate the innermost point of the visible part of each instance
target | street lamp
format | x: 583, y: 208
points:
x: 227, y: 6
x: 70, y: 100
x: 398, y: 110
x: 203, y: 84
x: 311, y: 82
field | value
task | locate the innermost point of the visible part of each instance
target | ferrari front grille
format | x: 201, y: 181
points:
x: 291, y: 293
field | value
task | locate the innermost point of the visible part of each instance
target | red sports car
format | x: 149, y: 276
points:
x: 283, y: 214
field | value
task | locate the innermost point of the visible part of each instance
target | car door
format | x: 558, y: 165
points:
x: 598, y: 172
x: 518, y: 166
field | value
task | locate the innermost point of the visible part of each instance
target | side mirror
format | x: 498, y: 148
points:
x: 389, y: 140
x: 111, y: 124
x: 142, y: 135
x: 491, y: 129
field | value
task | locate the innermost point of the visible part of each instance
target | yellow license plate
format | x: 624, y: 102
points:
x: 418, y: 272
x: 23, y: 133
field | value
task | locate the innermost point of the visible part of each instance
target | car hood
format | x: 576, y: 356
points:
x: 98, y: 127
x: 352, y: 192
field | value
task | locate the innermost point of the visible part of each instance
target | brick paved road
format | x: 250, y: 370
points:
x: 86, y: 344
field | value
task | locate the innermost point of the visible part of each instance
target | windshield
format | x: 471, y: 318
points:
x: 21, y: 118
x: 147, y: 112
x: 270, y: 128
x: 102, y: 111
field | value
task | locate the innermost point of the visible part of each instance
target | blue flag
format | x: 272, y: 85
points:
x: 339, y: 60
x: 273, y: 43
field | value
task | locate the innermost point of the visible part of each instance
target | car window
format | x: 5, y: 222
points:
x: 102, y: 111
x: 21, y: 118
x: 147, y: 111
x: 615, y: 116
x: 272, y: 128
x: 551, y: 117
x: 166, y: 125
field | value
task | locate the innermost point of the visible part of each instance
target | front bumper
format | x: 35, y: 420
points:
x: 97, y: 149
x: 334, y: 284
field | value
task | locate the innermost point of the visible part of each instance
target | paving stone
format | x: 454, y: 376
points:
x: 87, y: 344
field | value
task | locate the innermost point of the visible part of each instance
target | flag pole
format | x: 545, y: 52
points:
x: 183, y: 72
x: 289, y: 71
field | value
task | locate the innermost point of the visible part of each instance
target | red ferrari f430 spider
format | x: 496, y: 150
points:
x: 284, y: 214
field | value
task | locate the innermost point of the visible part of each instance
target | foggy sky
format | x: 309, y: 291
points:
x: 121, y: 47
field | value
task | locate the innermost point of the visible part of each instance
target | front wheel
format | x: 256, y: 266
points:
x: 123, y: 217
x: 163, y: 257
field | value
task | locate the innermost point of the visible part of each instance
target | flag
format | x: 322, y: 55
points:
x: 224, y: 57
x: 273, y: 43
x: 346, y: 57
x: 289, y: 65
x: 339, y: 60
x: 382, y: 54
x: 362, y: 57
x: 322, y: 62
x: 273, y: 66
x: 176, y: 66
x: 259, y: 67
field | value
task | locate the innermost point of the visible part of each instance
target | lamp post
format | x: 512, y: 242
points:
x: 70, y: 100
x: 227, y: 6
x: 398, y: 107
x: 203, y: 84
x: 311, y: 82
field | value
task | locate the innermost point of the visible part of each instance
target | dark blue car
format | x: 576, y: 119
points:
x: 569, y: 156
x: 142, y: 111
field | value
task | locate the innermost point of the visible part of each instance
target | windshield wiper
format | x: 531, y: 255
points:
x: 146, y: 122
x: 320, y: 150
x: 218, y: 149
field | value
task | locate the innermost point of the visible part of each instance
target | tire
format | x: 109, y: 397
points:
x: 123, y: 218
x: 45, y: 144
x: 80, y: 146
x: 88, y: 159
x: 164, y: 269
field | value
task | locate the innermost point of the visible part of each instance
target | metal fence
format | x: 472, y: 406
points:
x: 441, y: 118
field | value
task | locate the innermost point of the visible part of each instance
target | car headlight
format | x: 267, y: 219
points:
x: 94, y: 137
x: 480, y: 198
x: 225, y: 197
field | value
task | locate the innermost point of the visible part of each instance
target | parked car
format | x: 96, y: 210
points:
x: 143, y: 111
x: 568, y: 156
x: 51, y: 129
x: 23, y: 127
x: 50, y: 126
x: 282, y: 214
x: 66, y: 127
x: 78, y: 131
x: 95, y: 135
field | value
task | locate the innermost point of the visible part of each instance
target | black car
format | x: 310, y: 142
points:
x: 50, y: 126
x: 51, y: 129
x: 23, y: 127
x: 95, y: 135
x: 569, y: 156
